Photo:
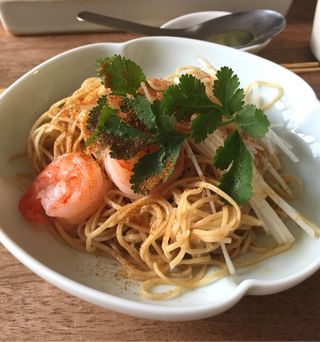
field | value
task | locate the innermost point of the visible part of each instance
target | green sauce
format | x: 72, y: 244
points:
x: 232, y: 38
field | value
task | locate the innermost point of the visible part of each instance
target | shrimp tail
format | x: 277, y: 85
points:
x: 31, y: 208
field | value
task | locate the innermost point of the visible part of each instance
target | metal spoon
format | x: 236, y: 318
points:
x: 240, y: 28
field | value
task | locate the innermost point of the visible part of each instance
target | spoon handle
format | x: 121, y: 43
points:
x: 125, y: 25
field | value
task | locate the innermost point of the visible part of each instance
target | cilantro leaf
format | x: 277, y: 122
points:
x: 98, y: 117
x: 142, y: 110
x: 154, y: 168
x: 95, y: 113
x: 115, y: 126
x: 186, y: 98
x: 204, y: 124
x: 120, y: 74
x: 226, y: 153
x: 152, y: 163
x: 125, y: 140
x: 253, y: 121
x: 165, y: 123
x: 237, y: 180
x: 226, y: 89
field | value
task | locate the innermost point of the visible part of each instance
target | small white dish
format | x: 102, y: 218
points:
x: 93, y: 278
x: 199, y: 17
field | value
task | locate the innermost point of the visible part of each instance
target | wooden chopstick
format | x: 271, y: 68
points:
x: 304, y: 67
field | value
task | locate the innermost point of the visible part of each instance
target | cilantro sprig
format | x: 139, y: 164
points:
x: 151, y: 127
x: 154, y: 132
x: 205, y: 117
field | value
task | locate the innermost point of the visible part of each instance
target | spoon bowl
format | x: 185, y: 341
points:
x: 194, y: 18
x: 241, y: 28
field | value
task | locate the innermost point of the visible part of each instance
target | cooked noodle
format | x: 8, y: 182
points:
x: 174, y: 238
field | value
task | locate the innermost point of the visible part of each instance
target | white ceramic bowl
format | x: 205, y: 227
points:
x: 199, y: 17
x: 93, y: 278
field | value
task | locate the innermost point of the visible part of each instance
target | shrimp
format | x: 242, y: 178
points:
x: 70, y: 188
x: 120, y: 172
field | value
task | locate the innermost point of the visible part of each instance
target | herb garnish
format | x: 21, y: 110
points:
x: 120, y: 74
x: 151, y: 127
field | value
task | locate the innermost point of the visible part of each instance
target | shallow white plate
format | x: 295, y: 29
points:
x: 93, y: 278
x: 199, y: 17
